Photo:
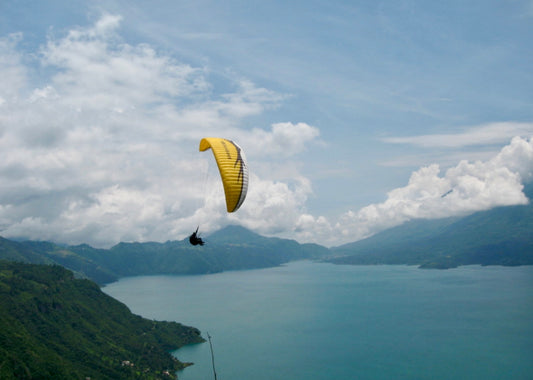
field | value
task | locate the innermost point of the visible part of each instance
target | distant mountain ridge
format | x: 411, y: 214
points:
x: 54, y: 326
x: 232, y: 248
x: 500, y: 236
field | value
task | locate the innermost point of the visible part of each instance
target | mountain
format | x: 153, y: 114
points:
x: 500, y: 236
x: 62, y: 255
x: 55, y: 323
x: 237, y: 235
x: 15, y: 251
x: 55, y: 326
x: 232, y: 248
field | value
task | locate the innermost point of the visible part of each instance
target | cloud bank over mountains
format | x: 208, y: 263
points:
x: 463, y: 189
x: 99, y: 141
x: 105, y: 149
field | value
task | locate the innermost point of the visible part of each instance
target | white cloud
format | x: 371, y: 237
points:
x: 492, y: 133
x: 106, y: 148
x: 12, y: 72
x: 283, y: 140
x: 274, y: 207
x: 517, y: 157
x: 463, y: 189
x: 96, y: 71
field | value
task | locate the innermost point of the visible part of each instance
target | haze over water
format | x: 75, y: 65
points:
x: 322, y: 321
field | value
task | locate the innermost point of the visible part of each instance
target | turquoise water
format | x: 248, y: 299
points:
x: 321, y: 321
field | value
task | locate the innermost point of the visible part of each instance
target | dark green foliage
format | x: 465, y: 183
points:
x: 64, y: 256
x: 232, y: 248
x: 14, y: 251
x: 38, y: 252
x: 53, y: 326
x: 501, y: 236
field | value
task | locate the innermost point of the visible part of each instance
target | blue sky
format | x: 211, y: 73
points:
x: 355, y: 116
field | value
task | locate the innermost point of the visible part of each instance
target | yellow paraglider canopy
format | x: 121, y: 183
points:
x: 233, y: 170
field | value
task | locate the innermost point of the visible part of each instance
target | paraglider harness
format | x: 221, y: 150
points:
x: 194, y: 239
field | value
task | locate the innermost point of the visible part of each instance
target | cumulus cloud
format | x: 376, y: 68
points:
x: 283, y: 140
x: 105, y: 149
x: 273, y: 206
x: 95, y: 70
x: 463, y: 189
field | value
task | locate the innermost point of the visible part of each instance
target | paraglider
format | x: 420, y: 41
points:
x: 233, y: 172
x: 195, y: 239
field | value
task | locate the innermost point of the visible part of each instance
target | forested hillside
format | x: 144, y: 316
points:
x: 53, y: 326
x: 232, y: 248
x: 500, y: 236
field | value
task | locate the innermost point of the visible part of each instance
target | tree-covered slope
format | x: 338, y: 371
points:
x: 15, y: 251
x: 53, y: 326
x: 500, y: 236
x: 84, y: 267
x: 232, y: 248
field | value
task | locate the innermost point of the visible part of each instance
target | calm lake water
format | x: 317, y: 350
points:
x: 318, y: 321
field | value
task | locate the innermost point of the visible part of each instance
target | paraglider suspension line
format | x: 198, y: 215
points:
x: 212, y: 356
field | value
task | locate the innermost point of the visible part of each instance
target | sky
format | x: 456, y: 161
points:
x: 354, y: 116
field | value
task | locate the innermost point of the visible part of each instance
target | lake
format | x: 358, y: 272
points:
x: 319, y: 321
